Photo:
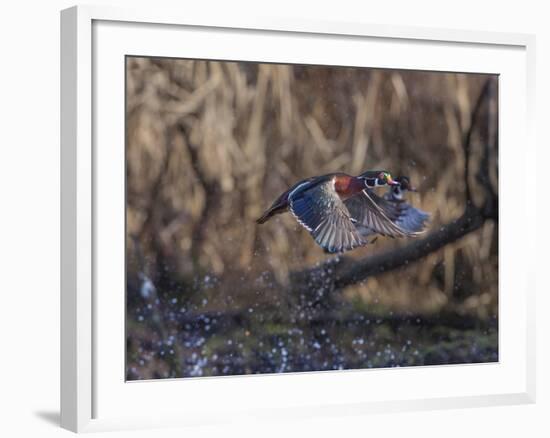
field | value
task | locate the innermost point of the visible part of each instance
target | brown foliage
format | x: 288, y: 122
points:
x: 211, y: 144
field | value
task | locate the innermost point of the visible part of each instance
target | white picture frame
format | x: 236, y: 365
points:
x: 89, y: 399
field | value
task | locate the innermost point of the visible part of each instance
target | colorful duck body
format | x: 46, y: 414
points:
x: 322, y: 205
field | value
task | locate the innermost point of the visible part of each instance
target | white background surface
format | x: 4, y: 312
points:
x: 29, y: 219
x: 258, y: 396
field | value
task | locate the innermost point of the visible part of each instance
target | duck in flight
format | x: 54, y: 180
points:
x: 403, y: 214
x: 341, y: 211
x: 410, y: 218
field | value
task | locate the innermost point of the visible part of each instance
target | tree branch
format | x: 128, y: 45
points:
x: 467, y: 140
x: 354, y: 272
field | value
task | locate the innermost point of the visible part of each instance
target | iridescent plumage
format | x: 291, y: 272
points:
x: 403, y: 214
x: 340, y: 210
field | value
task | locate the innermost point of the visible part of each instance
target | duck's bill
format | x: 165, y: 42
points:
x: 392, y: 182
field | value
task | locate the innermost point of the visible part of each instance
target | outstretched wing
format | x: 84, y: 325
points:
x: 412, y: 219
x: 374, y: 213
x: 320, y: 210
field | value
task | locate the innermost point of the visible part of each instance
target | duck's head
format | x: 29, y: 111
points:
x: 405, y: 183
x: 378, y: 178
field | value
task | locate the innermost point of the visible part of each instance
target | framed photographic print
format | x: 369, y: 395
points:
x: 252, y: 209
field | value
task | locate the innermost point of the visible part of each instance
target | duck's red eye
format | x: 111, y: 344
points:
x: 382, y: 176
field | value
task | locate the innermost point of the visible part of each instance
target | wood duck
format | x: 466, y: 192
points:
x: 331, y: 207
x: 411, y: 218
x: 403, y: 214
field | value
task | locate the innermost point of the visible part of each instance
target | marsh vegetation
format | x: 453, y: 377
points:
x: 211, y: 144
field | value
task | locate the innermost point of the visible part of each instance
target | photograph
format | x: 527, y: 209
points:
x: 288, y: 218
x: 271, y: 219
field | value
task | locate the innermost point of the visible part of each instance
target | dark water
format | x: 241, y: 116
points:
x: 167, y: 340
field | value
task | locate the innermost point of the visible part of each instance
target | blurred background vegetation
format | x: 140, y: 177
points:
x: 211, y: 144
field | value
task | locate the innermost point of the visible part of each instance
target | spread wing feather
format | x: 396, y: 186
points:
x: 412, y: 219
x: 377, y: 215
x: 320, y: 210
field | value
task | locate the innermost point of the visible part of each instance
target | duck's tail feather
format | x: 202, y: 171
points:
x: 264, y: 217
x: 272, y: 211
